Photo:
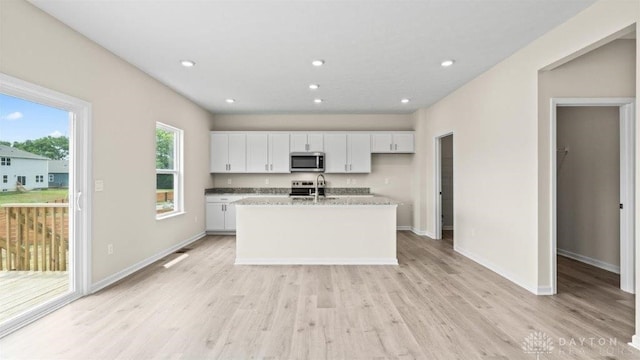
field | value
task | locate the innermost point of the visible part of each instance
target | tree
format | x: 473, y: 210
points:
x: 54, y: 148
x: 164, y: 158
x: 6, y: 143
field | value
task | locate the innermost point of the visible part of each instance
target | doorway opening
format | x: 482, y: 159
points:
x: 593, y: 189
x: 44, y: 225
x: 444, y: 214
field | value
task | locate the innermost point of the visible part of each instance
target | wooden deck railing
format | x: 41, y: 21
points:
x: 34, y: 237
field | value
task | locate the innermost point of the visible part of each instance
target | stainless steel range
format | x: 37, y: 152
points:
x: 305, y: 188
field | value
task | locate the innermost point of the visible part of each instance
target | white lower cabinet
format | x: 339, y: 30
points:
x: 221, y: 213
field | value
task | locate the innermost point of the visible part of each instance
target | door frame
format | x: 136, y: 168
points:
x: 627, y: 184
x: 437, y: 182
x: 80, y: 200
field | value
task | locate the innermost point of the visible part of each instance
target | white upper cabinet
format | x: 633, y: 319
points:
x: 393, y: 142
x: 279, y: 152
x: 306, y: 142
x: 228, y: 153
x: 257, y: 155
x: 347, y: 153
x: 267, y: 152
x: 335, y: 153
x: 359, y: 152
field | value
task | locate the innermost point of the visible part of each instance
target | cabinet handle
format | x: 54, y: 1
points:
x: 266, y: 167
x: 350, y: 166
x: 396, y: 146
x: 271, y: 167
x: 306, y: 147
x: 345, y: 167
x: 390, y: 146
x: 229, y: 167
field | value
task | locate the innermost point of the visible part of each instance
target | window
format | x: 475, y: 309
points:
x: 168, y: 170
x: 5, y: 179
x: 52, y: 178
x: 39, y: 178
x: 5, y: 161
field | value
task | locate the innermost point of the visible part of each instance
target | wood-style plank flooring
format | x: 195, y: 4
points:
x: 436, y: 304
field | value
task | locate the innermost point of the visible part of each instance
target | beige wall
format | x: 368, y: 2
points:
x: 501, y: 200
x: 126, y: 103
x: 589, y: 182
x: 397, y: 168
x: 607, y: 71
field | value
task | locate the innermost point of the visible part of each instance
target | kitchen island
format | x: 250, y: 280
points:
x: 339, y: 230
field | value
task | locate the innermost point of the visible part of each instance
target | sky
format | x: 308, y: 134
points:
x: 22, y: 120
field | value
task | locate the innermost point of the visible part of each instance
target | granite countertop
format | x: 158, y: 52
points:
x: 308, y: 201
x: 284, y: 191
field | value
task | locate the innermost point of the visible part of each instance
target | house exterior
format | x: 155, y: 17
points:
x: 21, y: 168
x: 58, y: 173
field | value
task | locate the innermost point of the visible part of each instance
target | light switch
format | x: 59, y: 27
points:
x: 99, y: 186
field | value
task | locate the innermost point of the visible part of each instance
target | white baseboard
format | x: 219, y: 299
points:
x: 635, y: 342
x: 142, y: 264
x: 316, y: 261
x: 591, y: 261
x: 545, y: 290
x: 403, y: 228
x: 497, y: 269
x: 447, y: 227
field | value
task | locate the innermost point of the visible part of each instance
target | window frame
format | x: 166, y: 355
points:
x: 177, y: 171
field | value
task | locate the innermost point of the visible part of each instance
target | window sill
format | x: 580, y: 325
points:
x: 170, y: 215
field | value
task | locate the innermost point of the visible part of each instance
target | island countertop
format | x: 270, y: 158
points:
x: 329, y: 201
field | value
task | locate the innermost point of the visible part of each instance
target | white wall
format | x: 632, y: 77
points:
x: 588, y: 184
x: 126, y: 103
x: 501, y: 147
x: 396, y: 168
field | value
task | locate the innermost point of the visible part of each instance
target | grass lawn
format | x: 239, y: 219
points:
x: 33, y: 196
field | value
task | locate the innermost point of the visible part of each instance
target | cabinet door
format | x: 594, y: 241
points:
x: 381, y: 143
x: 257, y: 153
x: 238, y: 153
x: 315, y: 142
x: 230, y: 217
x: 219, y: 152
x: 359, y: 153
x: 214, y: 216
x: 403, y: 143
x: 335, y: 150
x: 279, y: 153
x: 298, y: 142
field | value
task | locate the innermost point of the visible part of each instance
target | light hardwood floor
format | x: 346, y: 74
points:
x: 436, y: 305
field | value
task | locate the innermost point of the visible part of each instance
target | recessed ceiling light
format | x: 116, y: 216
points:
x: 317, y: 101
x: 447, y: 63
x: 187, y: 63
x: 230, y: 101
x: 404, y: 101
x: 317, y: 62
x: 314, y: 86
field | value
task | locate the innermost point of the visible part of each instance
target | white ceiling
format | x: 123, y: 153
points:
x: 260, y: 52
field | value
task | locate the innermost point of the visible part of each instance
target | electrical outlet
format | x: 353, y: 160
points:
x: 266, y: 181
x: 386, y: 181
x: 229, y: 181
x: 110, y: 249
x: 196, y: 219
x: 99, y: 185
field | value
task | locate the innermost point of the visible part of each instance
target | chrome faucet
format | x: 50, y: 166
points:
x: 315, y: 199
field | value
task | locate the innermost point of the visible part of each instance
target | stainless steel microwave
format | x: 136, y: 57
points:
x: 306, y: 162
